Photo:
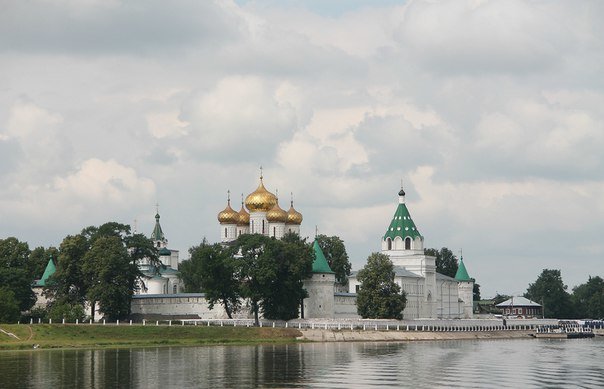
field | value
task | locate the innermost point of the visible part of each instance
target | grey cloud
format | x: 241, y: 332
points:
x: 131, y: 27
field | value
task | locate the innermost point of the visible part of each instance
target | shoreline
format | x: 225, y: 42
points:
x: 70, y: 336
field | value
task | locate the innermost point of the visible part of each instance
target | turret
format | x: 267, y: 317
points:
x: 320, y: 287
x: 465, y: 289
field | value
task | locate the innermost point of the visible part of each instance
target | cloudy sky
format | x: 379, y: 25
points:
x: 490, y: 111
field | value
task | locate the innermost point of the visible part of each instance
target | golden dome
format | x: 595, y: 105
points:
x: 276, y: 214
x: 293, y: 216
x: 228, y: 215
x: 261, y: 200
x: 244, y: 217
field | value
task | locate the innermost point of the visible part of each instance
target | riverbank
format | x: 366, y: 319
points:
x: 319, y: 335
x: 46, y: 336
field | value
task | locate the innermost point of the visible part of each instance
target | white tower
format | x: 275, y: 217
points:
x: 320, y: 287
x: 465, y: 289
x: 403, y: 243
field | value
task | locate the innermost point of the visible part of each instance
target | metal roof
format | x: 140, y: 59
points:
x: 518, y: 302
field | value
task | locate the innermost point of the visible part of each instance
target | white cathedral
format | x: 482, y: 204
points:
x: 429, y: 294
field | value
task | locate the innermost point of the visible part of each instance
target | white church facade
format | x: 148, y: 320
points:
x: 429, y: 294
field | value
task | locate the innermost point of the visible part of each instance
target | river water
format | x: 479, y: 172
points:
x: 514, y: 363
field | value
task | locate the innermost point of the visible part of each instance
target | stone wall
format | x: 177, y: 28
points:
x: 174, y: 306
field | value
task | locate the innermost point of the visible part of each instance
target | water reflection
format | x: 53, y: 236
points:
x: 503, y: 363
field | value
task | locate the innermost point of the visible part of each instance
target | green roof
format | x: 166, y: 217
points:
x: 320, y: 264
x: 462, y: 273
x: 157, y: 233
x: 164, y: 251
x: 49, y: 271
x: 402, y: 225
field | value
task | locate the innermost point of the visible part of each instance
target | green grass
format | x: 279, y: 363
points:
x: 93, y: 336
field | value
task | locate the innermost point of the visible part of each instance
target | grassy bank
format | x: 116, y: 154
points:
x: 99, y: 336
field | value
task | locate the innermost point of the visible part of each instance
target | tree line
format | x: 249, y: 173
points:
x: 95, y: 269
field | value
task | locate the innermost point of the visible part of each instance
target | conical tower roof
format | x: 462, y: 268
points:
x: 320, y: 264
x: 462, y: 273
x: 157, y: 233
x: 402, y: 225
x: 49, y: 271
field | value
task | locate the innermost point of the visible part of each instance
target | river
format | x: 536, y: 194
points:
x: 513, y: 363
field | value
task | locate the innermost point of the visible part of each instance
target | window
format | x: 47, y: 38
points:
x: 175, y: 289
x: 407, y: 243
x: 263, y: 226
x: 274, y: 232
x: 225, y: 232
x: 253, y: 227
x: 389, y: 243
x: 356, y: 288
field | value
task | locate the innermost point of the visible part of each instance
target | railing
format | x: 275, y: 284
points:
x: 348, y: 325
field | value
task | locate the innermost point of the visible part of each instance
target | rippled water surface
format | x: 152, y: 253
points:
x: 515, y: 363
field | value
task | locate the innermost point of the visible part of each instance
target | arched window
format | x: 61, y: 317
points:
x: 290, y: 230
x: 175, y: 289
x: 158, y: 244
x: 263, y: 226
x: 274, y: 232
x: 252, y: 231
x: 389, y: 242
x: 225, y: 232
x: 407, y: 243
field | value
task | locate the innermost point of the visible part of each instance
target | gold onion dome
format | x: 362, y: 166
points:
x: 276, y: 214
x: 293, y: 216
x: 260, y: 200
x: 228, y: 215
x: 244, y: 216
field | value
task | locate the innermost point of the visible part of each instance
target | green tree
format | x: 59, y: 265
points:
x: 69, y: 285
x: 293, y: 260
x: 9, y: 309
x: 19, y: 281
x: 211, y: 269
x: 551, y: 291
x: 588, y: 298
x: 499, y: 298
x: 83, y: 274
x: 446, y: 261
x: 112, y: 276
x: 337, y: 257
x: 379, y: 296
x: 476, y: 292
x: 13, y: 253
x: 271, y: 272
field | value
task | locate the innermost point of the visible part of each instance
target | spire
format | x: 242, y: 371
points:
x: 261, y: 176
x: 462, y: 273
x: 291, y: 199
x: 157, y: 234
x: 229, y: 197
x: 320, y: 264
x: 401, y: 194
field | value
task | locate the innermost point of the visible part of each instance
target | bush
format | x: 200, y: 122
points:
x: 69, y: 312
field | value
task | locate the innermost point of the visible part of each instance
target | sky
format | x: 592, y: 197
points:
x: 489, y: 111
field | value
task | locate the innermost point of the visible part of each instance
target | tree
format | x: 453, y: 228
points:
x: 211, y: 269
x: 112, y: 276
x: 588, y: 298
x: 379, y: 296
x: 84, y: 274
x: 499, y: 298
x: 14, y: 273
x: 9, y: 310
x: 335, y: 252
x: 446, y: 261
x: 13, y: 253
x: 69, y: 285
x: 270, y: 273
x: 476, y: 292
x: 549, y: 290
